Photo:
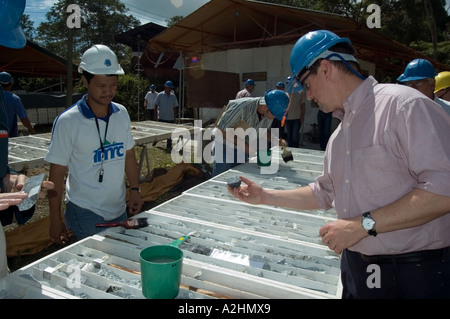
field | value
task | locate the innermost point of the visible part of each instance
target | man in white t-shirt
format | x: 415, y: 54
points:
x: 149, y: 103
x: 92, y: 143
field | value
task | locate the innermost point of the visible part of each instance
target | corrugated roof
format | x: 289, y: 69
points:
x: 238, y: 24
x: 32, y: 61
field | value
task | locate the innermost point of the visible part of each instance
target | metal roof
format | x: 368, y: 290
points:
x: 239, y: 24
x: 33, y: 61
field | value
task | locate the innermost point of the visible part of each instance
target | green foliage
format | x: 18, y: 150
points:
x: 28, y: 27
x: 404, y: 21
x: 427, y: 48
x: 101, y: 20
x: 131, y: 92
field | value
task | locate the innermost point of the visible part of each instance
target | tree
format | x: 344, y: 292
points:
x: 415, y: 23
x: 28, y: 27
x: 101, y: 20
x: 174, y: 20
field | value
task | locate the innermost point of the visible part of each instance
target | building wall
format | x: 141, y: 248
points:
x: 273, y: 60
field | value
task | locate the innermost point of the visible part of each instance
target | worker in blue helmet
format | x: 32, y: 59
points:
x: 247, y: 91
x: 247, y: 112
x: 166, y: 107
x: 386, y: 173
x: 420, y: 74
x: 11, y: 36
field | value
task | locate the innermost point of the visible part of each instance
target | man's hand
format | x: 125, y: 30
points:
x: 250, y: 193
x: 342, y: 233
x: 11, y: 199
x: 135, y: 203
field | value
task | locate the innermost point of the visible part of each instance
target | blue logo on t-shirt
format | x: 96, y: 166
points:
x: 112, y: 151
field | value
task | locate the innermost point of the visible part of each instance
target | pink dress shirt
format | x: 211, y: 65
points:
x: 392, y: 139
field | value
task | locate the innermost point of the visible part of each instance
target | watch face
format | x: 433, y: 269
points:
x: 368, y: 223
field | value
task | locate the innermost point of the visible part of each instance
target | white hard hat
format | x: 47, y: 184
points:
x: 99, y: 59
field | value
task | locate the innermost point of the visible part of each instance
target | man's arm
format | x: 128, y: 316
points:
x: 415, y: 208
x: 135, y: 201
x: 155, y: 112
x: 26, y: 122
x: 58, y: 231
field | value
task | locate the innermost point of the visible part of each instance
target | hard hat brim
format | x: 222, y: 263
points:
x: 14, y: 39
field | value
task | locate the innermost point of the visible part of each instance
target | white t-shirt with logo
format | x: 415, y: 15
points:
x: 75, y: 143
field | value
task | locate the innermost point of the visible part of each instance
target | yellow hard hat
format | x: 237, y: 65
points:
x: 442, y: 81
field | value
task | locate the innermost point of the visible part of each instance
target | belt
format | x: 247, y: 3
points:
x: 406, y: 258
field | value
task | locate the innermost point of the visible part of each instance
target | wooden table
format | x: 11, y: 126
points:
x: 29, y: 151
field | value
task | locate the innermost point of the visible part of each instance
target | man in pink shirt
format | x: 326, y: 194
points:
x: 386, y: 173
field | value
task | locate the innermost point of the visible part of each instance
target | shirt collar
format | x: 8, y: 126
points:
x: 355, y: 100
x: 86, y: 111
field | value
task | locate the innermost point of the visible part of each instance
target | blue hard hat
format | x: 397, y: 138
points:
x: 417, y: 69
x: 280, y: 84
x: 152, y: 87
x: 11, y: 33
x: 5, y: 78
x: 292, y: 85
x: 309, y: 48
x: 169, y: 84
x: 250, y: 82
x: 277, y: 101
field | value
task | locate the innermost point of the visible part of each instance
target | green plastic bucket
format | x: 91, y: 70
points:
x: 161, y: 267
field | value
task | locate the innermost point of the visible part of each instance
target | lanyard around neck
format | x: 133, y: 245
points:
x: 99, y: 135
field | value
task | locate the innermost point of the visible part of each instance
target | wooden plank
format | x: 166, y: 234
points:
x: 29, y: 151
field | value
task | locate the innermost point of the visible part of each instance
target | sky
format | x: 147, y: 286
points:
x: 156, y: 11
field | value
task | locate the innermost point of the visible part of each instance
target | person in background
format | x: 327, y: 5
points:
x: 14, y: 107
x: 166, y: 105
x: 92, y: 142
x: 420, y: 74
x: 248, y: 90
x: 296, y: 116
x: 324, y: 121
x: 149, y: 103
x: 392, y: 198
x: 248, y: 112
x: 442, y: 89
x: 11, y: 183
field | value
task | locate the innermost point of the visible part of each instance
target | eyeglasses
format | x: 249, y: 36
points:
x: 312, y: 70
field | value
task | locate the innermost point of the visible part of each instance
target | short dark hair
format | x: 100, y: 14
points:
x: 89, y: 75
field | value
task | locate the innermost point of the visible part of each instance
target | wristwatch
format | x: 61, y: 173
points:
x: 135, y: 189
x: 368, y: 224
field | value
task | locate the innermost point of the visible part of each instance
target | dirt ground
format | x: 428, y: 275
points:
x: 160, y: 165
